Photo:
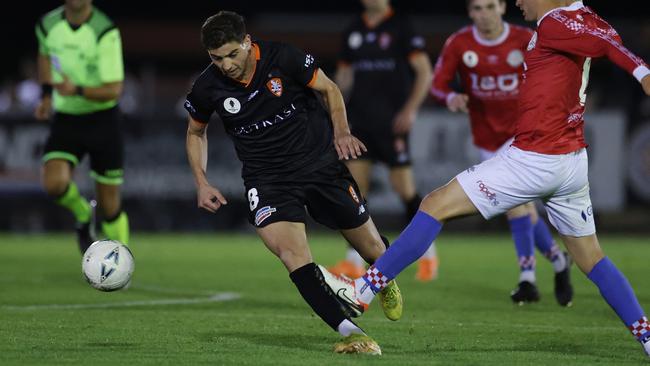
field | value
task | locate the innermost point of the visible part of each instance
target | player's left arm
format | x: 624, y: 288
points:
x: 421, y: 65
x: 592, y: 42
x: 110, y: 68
x: 347, y: 146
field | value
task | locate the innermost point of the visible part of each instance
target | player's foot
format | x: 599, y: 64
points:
x: 357, y: 343
x: 524, y: 293
x: 563, y: 288
x: 391, y: 301
x: 343, y: 288
x: 646, y: 346
x: 86, y: 231
x: 347, y: 268
x: 427, y: 269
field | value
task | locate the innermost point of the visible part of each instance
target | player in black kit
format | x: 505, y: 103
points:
x: 265, y: 93
x: 385, y: 74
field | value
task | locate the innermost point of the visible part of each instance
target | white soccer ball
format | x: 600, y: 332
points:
x: 108, y: 265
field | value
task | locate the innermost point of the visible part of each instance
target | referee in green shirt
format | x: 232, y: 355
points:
x: 81, y: 70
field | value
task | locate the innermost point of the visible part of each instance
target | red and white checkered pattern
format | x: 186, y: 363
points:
x: 640, y: 327
x: 376, y: 278
x: 527, y: 263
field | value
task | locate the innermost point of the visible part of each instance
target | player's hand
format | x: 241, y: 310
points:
x: 403, y: 121
x: 209, y: 198
x: 66, y: 87
x: 458, y: 103
x: 348, y: 146
x: 645, y: 82
x: 44, y: 109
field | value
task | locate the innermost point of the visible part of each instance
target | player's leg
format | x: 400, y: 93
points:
x: 560, y: 261
x: 403, y: 183
x: 354, y: 265
x: 612, y: 284
x: 115, y: 222
x: 521, y: 229
x: 106, y: 150
x: 335, y: 202
x: 288, y: 241
x: 570, y: 212
x: 63, y: 151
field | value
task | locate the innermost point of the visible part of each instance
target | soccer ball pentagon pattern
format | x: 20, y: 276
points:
x: 108, y: 265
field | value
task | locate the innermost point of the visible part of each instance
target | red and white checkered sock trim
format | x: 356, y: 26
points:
x: 527, y: 263
x: 375, y: 278
x: 640, y: 328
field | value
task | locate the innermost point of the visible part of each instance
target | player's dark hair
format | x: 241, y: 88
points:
x: 221, y: 28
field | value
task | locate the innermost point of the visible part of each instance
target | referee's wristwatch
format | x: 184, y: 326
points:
x: 79, y: 90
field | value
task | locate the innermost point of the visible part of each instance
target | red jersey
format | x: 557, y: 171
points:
x: 490, y: 73
x: 557, y: 61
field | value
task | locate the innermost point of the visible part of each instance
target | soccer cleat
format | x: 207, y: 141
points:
x: 524, y: 293
x: 646, y: 346
x: 357, y: 343
x: 427, y: 269
x: 563, y: 288
x: 347, y: 268
x: 86, y: 231
x: 343, y: 288
x: 391, y: 301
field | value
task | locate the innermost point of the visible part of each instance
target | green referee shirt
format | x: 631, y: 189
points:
x: 90, y: 56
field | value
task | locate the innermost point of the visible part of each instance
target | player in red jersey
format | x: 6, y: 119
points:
x: 488, y: 56
x: 547, y: 159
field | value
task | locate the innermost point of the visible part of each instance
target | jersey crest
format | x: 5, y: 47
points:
x: 275, y: 86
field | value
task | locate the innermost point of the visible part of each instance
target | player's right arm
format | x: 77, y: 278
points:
x: 44, y: 108
x: 344, y: 78
x: 208, y: 197
x: 444, y: 73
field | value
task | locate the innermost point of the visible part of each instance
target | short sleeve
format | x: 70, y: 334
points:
x: 411, y: 41
x: 301, y: 66
x: 111, y: 63
x: 40, y: 36
x: 198, y: 104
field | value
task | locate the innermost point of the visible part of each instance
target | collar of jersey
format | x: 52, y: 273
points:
x: 256, y: 49
x: 573, y: 7
x: 492, y: 42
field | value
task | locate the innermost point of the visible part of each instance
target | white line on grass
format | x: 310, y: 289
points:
x: 219, y: 297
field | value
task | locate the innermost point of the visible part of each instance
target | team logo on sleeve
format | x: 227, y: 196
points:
x: 232, y: 105
x: 309, y: 59
x: 275, y: 86
x: 470, y: 58
x: 515, y: 58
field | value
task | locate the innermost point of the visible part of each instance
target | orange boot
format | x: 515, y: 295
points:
x: 347, y: 268
x: 427, y: 269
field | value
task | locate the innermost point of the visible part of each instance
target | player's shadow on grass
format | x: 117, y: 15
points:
x: 298, y: 341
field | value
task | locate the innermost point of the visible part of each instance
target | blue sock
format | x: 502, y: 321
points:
x: 619, y: 295
x: 544, y: 240
x: 522, y: 234
x: 409, y: 246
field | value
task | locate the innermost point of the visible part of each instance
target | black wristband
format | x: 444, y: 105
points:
x: 46, y: 90
x: 79, y: 90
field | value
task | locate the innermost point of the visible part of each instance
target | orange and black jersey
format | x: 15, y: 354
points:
x: 279, y: 127
x: 383, y: 76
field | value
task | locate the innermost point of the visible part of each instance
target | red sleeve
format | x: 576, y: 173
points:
x: 591, y: 38
x: 445, y: 71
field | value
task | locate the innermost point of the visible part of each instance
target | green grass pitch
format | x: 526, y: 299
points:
x: 225, y: 300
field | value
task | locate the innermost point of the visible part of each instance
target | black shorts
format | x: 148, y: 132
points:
x: 385, y: 147
x: 330, y: 195
x: 96, y: 134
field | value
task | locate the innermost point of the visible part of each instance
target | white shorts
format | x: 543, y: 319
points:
x: 515, y: 177
x: 487, y: 154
